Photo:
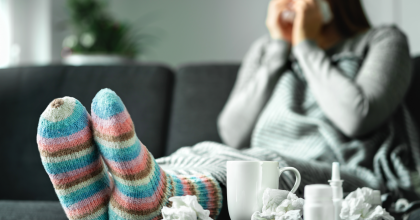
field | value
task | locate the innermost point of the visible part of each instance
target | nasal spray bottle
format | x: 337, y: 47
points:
x: 318, y: 202
x: 337, y: 189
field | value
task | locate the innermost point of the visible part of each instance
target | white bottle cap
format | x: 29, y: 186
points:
x: 318, y: 192
x: 335, y: 171
x: 376, y: 197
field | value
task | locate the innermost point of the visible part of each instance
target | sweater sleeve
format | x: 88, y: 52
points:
x: 255, y: 82
x: 359, y: 106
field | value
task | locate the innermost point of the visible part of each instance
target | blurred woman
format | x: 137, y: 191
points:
x: 325, y: 92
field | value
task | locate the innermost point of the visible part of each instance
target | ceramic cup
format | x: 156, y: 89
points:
x: 246, y: 182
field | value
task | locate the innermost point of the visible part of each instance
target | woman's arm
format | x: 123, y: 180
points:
x: 359, y: 106
x: 255, y: 82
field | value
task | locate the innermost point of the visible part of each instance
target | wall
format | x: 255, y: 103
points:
x: 194, y: 30
x: 59, y: 26
x: 5, y: 38
x: 30, y: 31
x: 409, y: 16
x: 189, y: 30
x: 186, y: 30
x: 404, y: 13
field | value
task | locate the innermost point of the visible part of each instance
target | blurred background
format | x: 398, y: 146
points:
x: 40, y: 32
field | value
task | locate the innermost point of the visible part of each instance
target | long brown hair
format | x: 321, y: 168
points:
x: 349, y: 17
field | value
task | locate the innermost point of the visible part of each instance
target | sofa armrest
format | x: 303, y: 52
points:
x: 413, y: 93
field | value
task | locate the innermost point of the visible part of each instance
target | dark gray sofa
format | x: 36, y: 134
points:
x: 170, y: 109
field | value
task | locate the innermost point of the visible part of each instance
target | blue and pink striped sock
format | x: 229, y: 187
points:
x: 72, y: 160
x: 142, y: 188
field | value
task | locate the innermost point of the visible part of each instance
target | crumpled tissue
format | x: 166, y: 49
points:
x: 280, y: 205
x: 185, y: 208
x: 358, y: 206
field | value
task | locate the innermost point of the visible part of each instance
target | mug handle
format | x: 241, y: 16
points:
x: 297, y: 174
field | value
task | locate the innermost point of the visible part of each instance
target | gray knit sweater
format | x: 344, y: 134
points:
x: 356, y: 105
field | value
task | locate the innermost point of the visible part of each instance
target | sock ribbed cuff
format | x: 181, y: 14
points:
x: 206, y: 188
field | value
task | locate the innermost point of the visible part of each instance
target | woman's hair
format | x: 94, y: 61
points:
x: 349, y: 16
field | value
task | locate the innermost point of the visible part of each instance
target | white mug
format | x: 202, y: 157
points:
x: 246, y: 182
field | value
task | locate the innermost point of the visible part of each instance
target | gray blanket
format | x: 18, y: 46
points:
x: 210, y: 158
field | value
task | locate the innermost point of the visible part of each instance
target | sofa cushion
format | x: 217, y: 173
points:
x: 200, y: 93
x: 31, y: 210
x: 25, y: 92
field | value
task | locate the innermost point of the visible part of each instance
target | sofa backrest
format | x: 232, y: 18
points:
x: 26, y: 91
x: 200, y: 92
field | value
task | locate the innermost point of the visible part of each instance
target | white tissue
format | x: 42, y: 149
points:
x: 185, y: 208
x: 272, y: 198
x: 262, y: 216
x: 358, y: 206
x: 290, y: 215
x: 182, y: 212
x: 280, y: 205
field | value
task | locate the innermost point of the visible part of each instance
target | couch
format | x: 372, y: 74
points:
x: 170, y: 109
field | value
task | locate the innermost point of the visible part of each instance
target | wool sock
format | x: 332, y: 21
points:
x: 142, y: 188
x: 72, y: 160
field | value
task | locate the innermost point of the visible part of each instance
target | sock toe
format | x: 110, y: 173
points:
x: 63, y: 117
x: 107, y: 104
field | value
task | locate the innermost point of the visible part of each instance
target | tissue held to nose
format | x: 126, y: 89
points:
x: 289, y: 15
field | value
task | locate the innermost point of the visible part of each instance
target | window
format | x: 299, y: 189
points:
x: 5, y: 33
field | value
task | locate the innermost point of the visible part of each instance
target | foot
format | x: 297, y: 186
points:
x: 72, y: 161
x: 142, y: 187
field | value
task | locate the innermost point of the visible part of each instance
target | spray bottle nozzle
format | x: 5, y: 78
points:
x: 336, y: 182
x: 335, y: 171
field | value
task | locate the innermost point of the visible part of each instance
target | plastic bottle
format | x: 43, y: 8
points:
x: 376, y: 198
x: 337, y: 189
x: 318, y: 202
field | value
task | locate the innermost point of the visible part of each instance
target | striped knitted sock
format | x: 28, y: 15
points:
x: 72, y: 160
x: 142, y: 188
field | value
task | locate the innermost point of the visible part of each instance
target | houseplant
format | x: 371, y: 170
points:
x: 97, y: 37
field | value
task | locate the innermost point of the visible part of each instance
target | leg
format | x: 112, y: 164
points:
x: 72, y: 161
x: 142, y: 188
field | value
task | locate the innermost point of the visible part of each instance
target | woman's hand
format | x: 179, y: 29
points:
x: 277, y: 28
x: 308, y: 21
